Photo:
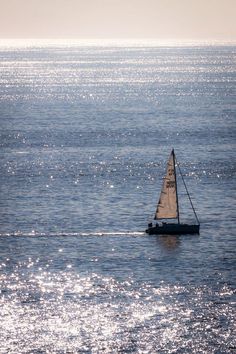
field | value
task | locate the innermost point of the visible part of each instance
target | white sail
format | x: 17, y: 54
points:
x: 167, y: 207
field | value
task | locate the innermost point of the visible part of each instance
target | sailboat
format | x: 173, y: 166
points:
x: 168, y: 205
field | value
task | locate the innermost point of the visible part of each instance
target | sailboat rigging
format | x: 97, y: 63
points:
x: 168, y: 205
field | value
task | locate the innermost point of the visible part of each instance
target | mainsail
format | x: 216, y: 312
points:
x: 167, y: 207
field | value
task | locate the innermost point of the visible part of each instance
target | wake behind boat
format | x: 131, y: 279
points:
x: 168, y: 205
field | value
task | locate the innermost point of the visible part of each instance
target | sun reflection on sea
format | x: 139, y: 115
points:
x: 64, y: 311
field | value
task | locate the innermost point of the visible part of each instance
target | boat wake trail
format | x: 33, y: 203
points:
x: 72, y: 234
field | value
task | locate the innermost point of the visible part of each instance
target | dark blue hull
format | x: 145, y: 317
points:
x: 173, y: 229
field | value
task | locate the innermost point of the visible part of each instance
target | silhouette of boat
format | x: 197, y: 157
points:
x: 168, y: 205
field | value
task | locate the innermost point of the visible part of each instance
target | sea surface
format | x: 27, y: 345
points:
x: 85, y: 133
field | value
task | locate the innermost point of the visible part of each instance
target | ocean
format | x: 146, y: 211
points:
x: 85, y: 133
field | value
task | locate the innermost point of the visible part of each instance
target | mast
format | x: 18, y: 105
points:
x: 187, y: 194
x: 176, y: 188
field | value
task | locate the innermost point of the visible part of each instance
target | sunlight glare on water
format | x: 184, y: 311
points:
x: 68, y: 312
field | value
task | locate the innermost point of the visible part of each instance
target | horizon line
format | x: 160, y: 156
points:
x: 9, y: 42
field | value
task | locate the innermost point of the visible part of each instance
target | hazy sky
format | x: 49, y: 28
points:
x: 159, y: 19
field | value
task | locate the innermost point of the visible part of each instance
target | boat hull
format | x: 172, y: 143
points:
x: 173, y: 229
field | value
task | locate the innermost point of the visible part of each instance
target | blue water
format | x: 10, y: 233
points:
x: 85, y: 135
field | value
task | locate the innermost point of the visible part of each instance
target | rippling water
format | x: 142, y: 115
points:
x: 85, y: 135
